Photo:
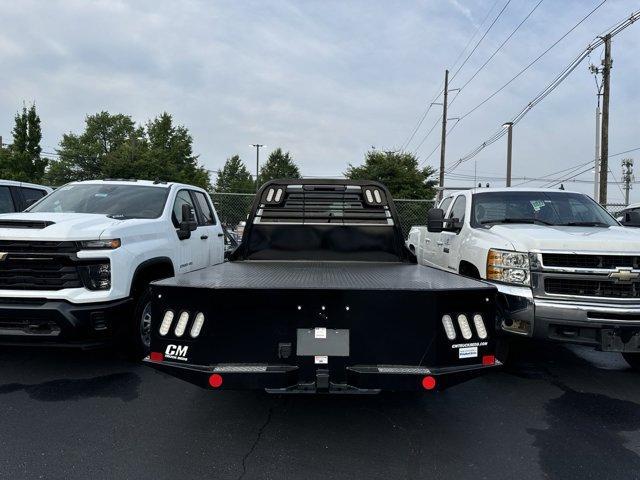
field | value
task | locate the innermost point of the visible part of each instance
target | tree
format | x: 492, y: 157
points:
x: 399, y: 171
x: 279, y: 165
x: 112, y: 146
x: 21, y: 160
x: 234, y: 177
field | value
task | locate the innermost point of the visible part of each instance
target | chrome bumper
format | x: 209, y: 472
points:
x: 563, y: 320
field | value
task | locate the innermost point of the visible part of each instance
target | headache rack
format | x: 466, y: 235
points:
x: 320, y: 204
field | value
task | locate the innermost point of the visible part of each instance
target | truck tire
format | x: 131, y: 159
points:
x: 633, y: 359
x: 139, y: 331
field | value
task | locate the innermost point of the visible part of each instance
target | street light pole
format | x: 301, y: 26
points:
x: 509, y: 127
x: 257, y: 146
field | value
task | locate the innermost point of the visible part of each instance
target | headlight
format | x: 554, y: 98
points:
x: 508, y: 267
x: 96, y: 276
x: 110, y: 244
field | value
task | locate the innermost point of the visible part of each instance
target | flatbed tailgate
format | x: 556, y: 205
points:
x: 302, y: 326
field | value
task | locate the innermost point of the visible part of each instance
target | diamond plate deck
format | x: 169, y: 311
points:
x: 323, y: 276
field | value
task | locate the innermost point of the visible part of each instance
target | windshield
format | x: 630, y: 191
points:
x: 546, y: 208
x: 118, y: 201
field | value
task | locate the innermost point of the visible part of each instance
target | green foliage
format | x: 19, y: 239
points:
x: 235, y: 177
x: 112, y: 146
x: 21, y: 160
x: 279, y: 165
x: 399, y: 171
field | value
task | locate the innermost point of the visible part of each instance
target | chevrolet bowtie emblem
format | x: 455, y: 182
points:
x: 624, y: 275
x: 3, y: 255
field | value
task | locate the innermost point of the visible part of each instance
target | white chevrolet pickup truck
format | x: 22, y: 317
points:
x: 566, y: 270
x: 75, y: 267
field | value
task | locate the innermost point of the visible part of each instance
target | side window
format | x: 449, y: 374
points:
x: 206, y: 212
x: 458, y: 209
x: 445, y: 204
x: 182, y: 198
x: 6, y: 202
x: 31, y: 195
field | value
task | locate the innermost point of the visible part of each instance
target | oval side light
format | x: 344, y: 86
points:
x: 166, y: 323
x: 198, y: 322
x: 182, y: 324
x: 463, y: 323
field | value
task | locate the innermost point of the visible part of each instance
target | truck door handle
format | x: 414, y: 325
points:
x: 204, y: 237
x: 220, y: 234
x: 427, y: 240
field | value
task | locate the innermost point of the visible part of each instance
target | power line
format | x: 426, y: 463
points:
x: 513, y: 32
x: 549, y: 88
x: 534, y: 61
x: 481, y: 39
x: 535, y: 7
x: 440, y: 89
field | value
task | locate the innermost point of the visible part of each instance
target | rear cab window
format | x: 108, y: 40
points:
x: 6, y: 200
x: 31, y: 195
x: 206, y: 215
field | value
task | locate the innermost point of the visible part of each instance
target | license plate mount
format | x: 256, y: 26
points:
x: 328, y: 342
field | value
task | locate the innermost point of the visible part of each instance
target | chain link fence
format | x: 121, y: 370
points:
x: 614, y: 208
x: 233, y: 208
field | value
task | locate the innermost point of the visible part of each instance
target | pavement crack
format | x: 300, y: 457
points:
x: 256, y: 441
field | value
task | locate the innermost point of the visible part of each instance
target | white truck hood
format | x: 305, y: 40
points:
x: 528, y: 237
x: 66, y: 226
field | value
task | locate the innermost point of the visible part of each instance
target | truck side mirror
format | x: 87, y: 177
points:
x: 631, y: 219
x: 435, y: 220
x: 188, y: 223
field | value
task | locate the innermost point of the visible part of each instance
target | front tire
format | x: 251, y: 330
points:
x: 633, y: 359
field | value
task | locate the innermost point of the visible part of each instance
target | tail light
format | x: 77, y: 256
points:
x: 182, y: 324
x: 166, y: 322
x: 463, y: 323
x: 479, y: 324
x: 198, y: 322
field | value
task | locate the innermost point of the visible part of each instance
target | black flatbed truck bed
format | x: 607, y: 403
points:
x: 329, y: 325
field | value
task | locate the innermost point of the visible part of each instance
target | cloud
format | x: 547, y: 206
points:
x: 325, y: 80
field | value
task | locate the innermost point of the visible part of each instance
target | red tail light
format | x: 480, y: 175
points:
x: 156, y: 356
x: 488, y: 359
x: 215, y: 380
x: 428, y: 382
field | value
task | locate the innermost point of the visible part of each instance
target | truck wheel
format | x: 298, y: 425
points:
x: 139, y: 341
x: 633, y: 359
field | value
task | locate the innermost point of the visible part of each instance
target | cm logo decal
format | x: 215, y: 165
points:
x: 176, y: 352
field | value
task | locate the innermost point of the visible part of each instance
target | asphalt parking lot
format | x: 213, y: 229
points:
x: 555, y: 413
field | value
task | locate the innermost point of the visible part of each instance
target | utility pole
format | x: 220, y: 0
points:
x: 509, y: 127
x: 257, y: 146
x: 606, y: 90
x: 627, y: 177
x: 444, y: 134
x: 596, y: 168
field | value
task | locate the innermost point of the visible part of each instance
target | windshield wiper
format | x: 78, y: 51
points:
x: 584, y: 224
x: 516, y: 220
x: 119, y: 216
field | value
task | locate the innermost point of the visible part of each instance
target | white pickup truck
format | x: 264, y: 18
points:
x: 75, y: 267
x: 566, y: 270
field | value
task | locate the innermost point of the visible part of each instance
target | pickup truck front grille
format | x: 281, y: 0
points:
x: 591, y: 288
x: 38, y: 273
x: 590, y: 261
x: 35, y: 247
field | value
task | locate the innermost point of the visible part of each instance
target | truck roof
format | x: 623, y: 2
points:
x: 13, y: 183
x: 514, y: 189
x: 122, y: 181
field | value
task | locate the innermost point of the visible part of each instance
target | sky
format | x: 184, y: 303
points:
x: 328, y: 80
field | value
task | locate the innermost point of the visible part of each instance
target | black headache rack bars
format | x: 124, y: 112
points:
x: 331, y: 218
x: 342, y: 204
